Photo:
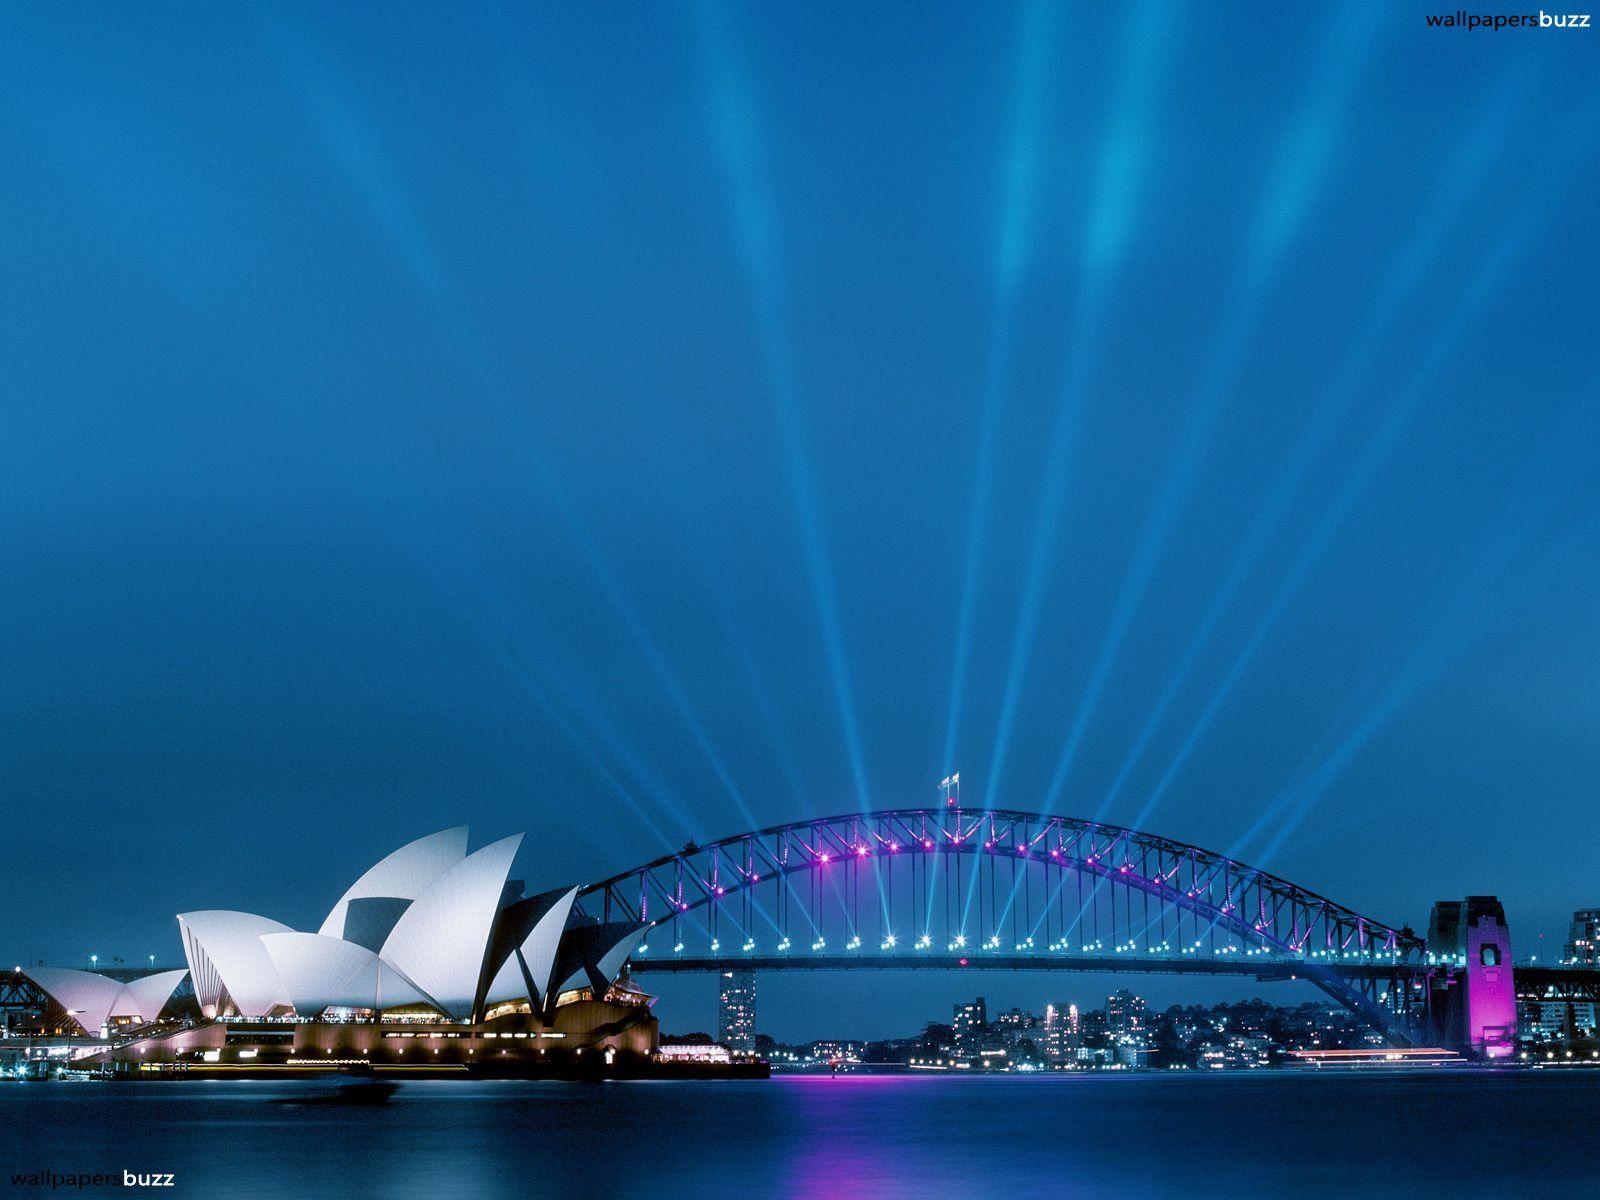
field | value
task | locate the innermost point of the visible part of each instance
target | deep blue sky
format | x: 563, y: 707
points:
x: 606, y: 421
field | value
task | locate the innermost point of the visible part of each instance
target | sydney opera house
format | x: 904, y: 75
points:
x: 433, y: 958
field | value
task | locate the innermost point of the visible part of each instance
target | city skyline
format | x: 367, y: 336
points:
x: 876, y: 600
x: 1127, y: 1032
x: 622, y: 429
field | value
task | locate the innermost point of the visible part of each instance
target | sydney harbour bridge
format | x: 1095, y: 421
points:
x: 944, y: 888
x: 926, y: 888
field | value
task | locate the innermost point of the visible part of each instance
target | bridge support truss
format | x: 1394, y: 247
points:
x: 913, y: 886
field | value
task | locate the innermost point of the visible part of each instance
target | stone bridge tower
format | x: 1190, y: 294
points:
x: 1476, y: 1005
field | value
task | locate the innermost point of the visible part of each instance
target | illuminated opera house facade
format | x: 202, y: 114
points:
x: 433, y: 958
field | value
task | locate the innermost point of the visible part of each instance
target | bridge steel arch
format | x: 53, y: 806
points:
x: 1003, y: 885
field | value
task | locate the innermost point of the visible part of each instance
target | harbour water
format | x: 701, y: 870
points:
x: 1461, y: 1135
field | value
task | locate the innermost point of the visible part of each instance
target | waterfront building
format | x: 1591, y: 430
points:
x: 836, y: 1051
x: 1252, y: 1051
x: 1556, y: 1020
x: 736, y: 1010
x: 614, y: 1035
x: 429, y: 930
x: 1586, y: 1018
x: 1126, y: 1018
x: 433, y: 959
x: 1092, y: 1029
x: 1060, y: 1032
x: 691, y: 1048
x: 1014, y: 1021
x: 993, y: 1057
x: 97, y: 1003
x: 1583, y: 940
x: 1132, y: 1054
x: 695, y: 1052
x: 967, y: 1026
x: 1015, y: 1030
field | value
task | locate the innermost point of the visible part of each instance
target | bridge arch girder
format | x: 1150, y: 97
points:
x: 1265, y: 911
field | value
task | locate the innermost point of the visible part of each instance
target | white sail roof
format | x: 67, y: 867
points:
x: 612, y: 961
x: 146, y: 996
x: 440, y: 942
x: 538, y: 952
x: 321, y: 972
x: 404, y: 874
x: 88, y: 997
x: 91, y: 998
x: 225, y: 954
x: 599, y: 952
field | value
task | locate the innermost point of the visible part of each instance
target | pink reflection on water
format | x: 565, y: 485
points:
x: 855, y: 1139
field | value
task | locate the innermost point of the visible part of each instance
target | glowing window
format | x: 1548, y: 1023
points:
x: 1489, y: 955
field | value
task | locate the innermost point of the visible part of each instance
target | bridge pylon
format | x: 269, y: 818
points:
x: 1474, y: 998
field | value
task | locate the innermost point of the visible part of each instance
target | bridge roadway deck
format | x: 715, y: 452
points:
x: 1255, y: 968
x: 1532, y: 980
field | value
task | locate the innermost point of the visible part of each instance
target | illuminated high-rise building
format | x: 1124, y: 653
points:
x: 1060, y: 1031
x: 968, y: 1026
x: 736, y: 1011
x: 1583, y: 942
x: 1013, y: 1024
x: 1125, y: 1018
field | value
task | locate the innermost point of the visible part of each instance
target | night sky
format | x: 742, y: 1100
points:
x: 630, y: 424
